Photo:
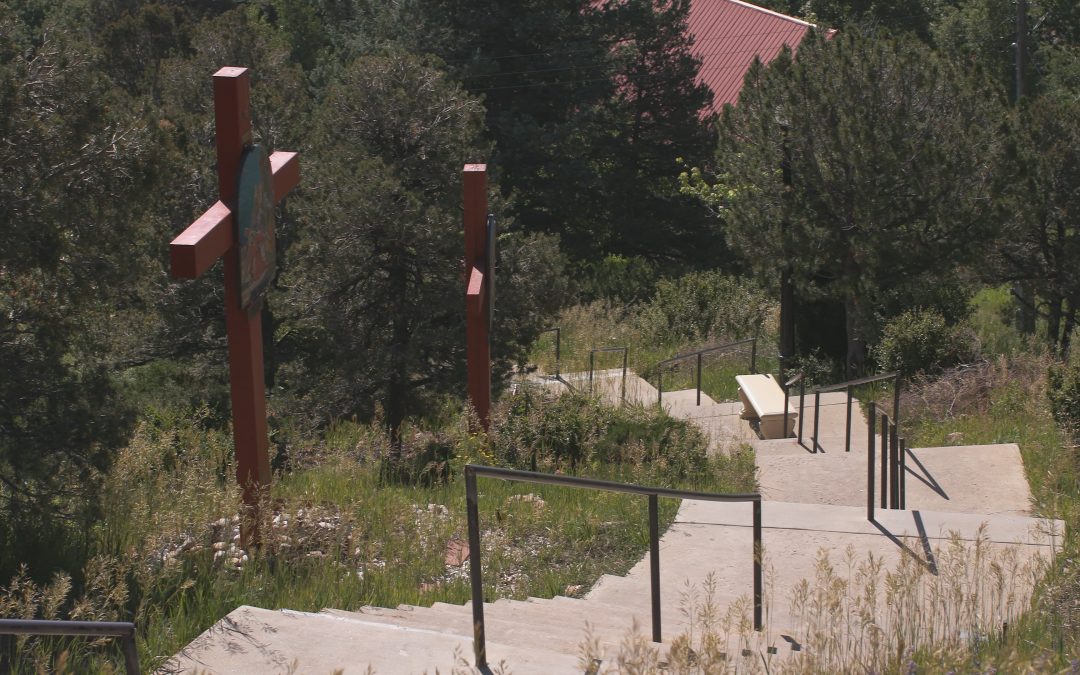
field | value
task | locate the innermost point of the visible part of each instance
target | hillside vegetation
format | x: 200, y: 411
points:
x: 898, y: 196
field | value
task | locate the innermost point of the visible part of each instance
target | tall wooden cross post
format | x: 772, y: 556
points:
x: 239, y: 228
x: 479, y: 276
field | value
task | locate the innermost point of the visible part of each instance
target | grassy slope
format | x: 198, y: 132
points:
x: 339, y: 534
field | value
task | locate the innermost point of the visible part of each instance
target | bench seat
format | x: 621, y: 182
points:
x: 763, y: 399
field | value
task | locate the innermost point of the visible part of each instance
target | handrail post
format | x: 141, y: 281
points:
x: 592, y: 360
x: 903, y: 472
x: 699, y: 378
x: 870, y: 437
x: 625, y: 358
x: 654, y: 564
x: 896, y: 401
x: 475, y: 573
x: 884, y: 461
x: 753, y: 357
x: 786, y: 396
x: 847, y: 433
x: 558, y: 350
x: 131, y: 655
x: 817, y: 411
x: 894, y: 467
x: 759, y: 554
x: 802, y: 395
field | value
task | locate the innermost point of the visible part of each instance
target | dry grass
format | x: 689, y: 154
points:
x: 858, y: 615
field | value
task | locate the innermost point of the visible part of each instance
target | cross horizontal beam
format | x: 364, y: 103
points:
x: 476, y: 292
x: 209, y: 237
x: 202, y: 243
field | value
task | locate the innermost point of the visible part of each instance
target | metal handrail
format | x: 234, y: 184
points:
x: 825, y: 388
x: 121, y: 629
x: 592, y: 360
x: 472, y: 471
x: 698, y: 354
x: 893, y: 464
x: 847, y: 386
x: 800, y: 378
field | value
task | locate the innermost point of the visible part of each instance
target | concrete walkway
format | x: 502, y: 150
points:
x: 967, y: 525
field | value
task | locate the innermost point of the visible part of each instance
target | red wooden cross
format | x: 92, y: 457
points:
x: 479, y: 273
x: 215, y: 235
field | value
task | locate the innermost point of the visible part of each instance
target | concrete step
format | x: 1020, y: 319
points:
x: 613, y: 388
x: 516, y: 628
x: 254, y: 640
x: 683, y: 403
x: 574, y: 613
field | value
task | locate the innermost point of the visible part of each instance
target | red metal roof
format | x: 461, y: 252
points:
x: 728, y: 34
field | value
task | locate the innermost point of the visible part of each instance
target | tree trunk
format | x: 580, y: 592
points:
x: 1053, y: 319
x: 787, y: 319
x: 398, y: 386
x: 1070, y: 324
x: 855, y: 361
x: 1025, y: 315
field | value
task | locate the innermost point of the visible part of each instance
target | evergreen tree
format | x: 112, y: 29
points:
x: 661, y: 114
x: 588, y: 105
x: 866, y: 165
x: 78, y: 162
x: 1041, y: 208
x: 375, y: 301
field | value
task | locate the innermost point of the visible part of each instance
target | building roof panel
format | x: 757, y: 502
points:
x: 728, y: 34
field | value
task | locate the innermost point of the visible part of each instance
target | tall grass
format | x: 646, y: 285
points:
x: 339, y: 530
x: 857, y: 615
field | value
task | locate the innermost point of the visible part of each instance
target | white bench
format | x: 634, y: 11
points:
x: 763, y: 399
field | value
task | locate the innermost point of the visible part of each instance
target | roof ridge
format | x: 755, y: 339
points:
x: 769, y: 11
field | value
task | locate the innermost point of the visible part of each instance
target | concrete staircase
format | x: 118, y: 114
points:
x: 965, y: 496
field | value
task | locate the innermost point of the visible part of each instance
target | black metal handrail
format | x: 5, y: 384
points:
x: 698, y: 354
x: 893, y: 464
x: 848, y: 387
x: 592, y: 361
x: 472, y: 471
x: 799, y: 379
x: 121, y: 629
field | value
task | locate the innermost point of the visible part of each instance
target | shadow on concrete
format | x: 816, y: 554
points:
x: 927, y: 560
x: 795, y: 645
x: 926, y: 478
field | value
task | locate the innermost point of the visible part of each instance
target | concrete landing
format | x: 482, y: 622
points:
x: 710, y: 538
x: 984, y: 479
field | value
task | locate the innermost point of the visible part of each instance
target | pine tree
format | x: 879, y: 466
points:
x: 891, y: 155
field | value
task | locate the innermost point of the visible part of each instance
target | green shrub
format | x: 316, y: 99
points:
x: 705, y: 305
x: 1063, y: 390
x: 919, y: 340
x: 423, y: 459
x: 817, y: 369
x: 538, y: 430
x: 615, y: 277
